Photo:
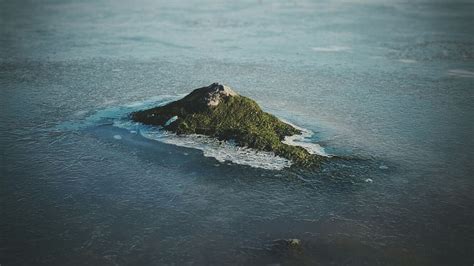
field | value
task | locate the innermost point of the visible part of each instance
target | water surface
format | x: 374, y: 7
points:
x: 387, y: 83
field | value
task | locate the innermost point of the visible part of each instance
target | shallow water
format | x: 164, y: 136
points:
x: 387, y: 84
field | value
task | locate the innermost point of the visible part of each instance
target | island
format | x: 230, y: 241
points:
x: 218, y: 111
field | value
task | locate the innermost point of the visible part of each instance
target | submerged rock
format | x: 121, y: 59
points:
x: 288, y: 250
x: 218, y: 111
x: 287, y: 244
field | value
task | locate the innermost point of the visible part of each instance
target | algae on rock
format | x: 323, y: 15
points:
x: 217, y: 111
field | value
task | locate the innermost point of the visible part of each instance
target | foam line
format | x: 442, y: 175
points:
x: 222, y: 151
x: 303, y: 140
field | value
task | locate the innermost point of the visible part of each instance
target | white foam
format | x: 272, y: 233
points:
x: 303, y: 140
x: 222, y: 151
x: 331, y: 49
x: 461, y: 73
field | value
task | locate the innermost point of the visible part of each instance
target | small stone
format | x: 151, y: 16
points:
x: 290, y: 246
x: 294, y: 242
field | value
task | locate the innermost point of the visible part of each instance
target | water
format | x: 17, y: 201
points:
x: 388, y: 84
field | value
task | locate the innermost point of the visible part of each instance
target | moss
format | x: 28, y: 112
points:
x: 235, y: 118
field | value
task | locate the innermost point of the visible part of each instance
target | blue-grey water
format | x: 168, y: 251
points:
x: 388, y: 85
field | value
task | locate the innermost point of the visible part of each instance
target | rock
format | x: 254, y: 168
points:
x: 218, y: 111
x: 287, y: 247
x: 294, y: 243
x: 215, y: 93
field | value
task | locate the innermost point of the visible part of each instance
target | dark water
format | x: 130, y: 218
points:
x: 388, y: 84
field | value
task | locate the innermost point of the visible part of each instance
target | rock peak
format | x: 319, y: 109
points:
x: 215, y: 92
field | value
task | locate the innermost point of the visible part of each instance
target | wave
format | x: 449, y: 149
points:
x: 461, y: 73
x: 331, y: 49
x: 222, y: 151
x: 407, y: 61
x: 303, y: 140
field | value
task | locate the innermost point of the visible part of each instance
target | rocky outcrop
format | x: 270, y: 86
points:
x: 218, y: 111
x: 215, y: 93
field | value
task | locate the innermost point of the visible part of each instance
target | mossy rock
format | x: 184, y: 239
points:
x: 217, y: 111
